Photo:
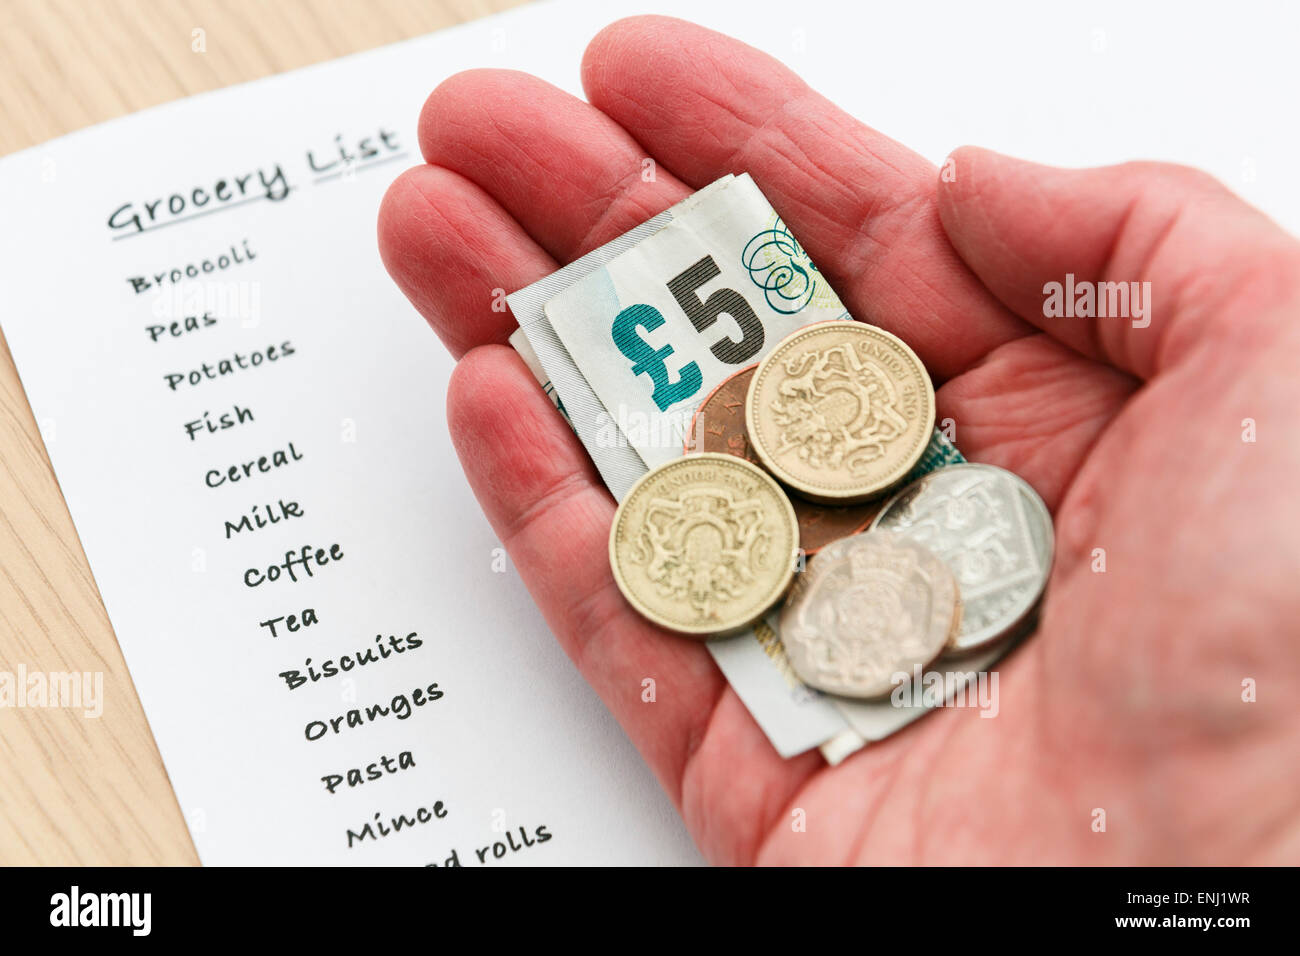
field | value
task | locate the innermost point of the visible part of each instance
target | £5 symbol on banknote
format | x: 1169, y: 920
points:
x: 550, y: 362
x: 658, y: 327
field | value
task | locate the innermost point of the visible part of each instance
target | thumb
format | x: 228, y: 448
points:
x: 1184, y: 262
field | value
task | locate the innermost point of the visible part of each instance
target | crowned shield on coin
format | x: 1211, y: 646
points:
x: 704, y: 545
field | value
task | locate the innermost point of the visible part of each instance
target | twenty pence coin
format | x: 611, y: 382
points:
x: 868, y: 608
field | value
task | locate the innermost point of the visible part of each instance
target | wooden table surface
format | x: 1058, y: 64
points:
x: 75, y: 790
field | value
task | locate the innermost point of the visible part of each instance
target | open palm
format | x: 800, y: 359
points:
x: 1174, y: 591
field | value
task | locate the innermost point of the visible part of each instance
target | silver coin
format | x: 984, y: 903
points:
x: 991, y: 528
x: 869, y: 609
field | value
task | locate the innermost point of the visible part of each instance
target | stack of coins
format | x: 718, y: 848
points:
x: 837, y: 415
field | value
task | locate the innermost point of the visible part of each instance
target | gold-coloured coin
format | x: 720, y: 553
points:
x: 840, y: 411
x: 704, y: 545
x: 867, y: 609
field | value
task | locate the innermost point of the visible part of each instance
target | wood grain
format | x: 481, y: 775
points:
x: 77, y: 790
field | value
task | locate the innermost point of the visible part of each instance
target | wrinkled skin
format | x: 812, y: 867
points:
x: 1129, y: 698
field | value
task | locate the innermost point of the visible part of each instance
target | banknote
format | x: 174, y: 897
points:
x: 519, y: 341
x: 617, y: 462
x: 658, y: 326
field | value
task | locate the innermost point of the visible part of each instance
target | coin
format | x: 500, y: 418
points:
x: 719, y: 426
x: 840, y: 411
x: 704, y: 545
x: 991, y: 528
x: 867, y: 609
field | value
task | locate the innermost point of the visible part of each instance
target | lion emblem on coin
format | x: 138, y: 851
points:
x: 837, y: 410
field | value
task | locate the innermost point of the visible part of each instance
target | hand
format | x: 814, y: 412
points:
x: 1130, y: 697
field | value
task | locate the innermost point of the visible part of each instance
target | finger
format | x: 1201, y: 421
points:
x: 570, y: 175
x: 549, y: 509
x: 1182, y: 257
x: 455, y: 252
x: 862, y: 205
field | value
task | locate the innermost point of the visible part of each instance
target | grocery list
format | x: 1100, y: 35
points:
x: 336, y: 657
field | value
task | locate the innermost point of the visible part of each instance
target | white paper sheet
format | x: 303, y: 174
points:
x: 517, y: 740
